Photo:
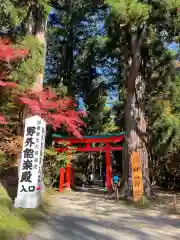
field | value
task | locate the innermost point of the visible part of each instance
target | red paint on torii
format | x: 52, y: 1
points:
x: 87, y: 141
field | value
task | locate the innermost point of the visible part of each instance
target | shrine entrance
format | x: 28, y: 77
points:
x: 109, y: 142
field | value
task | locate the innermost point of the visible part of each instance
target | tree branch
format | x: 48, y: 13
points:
x: 142, y: 36
x: 136, y: 45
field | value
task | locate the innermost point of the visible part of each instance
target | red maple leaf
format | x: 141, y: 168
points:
x: 8, y: 84
x: 56, y: 112
x: 3, y: 120
x: 9, y: 53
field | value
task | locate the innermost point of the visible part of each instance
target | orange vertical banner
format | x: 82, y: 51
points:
x: 61, y: 179
x: 137, y: 179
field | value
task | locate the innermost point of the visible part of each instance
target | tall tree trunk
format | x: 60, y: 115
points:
x: 135, y: 123
x: 35, y: 25
x: 136, y: 130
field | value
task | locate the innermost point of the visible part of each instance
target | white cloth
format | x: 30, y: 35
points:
x: 91, y: 176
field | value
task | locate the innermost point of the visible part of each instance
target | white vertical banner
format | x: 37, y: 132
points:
x: 43, y: 138
x: 30, y: 175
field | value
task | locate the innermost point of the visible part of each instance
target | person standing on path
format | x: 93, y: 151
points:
x: 84, y: 179
x: 91, y: 179
x: 115, y: 184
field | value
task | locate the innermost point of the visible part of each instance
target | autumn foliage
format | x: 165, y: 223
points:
x: 9, y: 53
x: 55, y: 111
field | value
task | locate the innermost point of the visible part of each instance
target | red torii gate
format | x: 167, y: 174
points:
x: 88, y: 141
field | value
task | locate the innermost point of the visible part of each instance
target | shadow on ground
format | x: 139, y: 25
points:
x: 88, y: 216
x: 75, y: 227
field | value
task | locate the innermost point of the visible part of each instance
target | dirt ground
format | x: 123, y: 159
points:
x: 90, y: 216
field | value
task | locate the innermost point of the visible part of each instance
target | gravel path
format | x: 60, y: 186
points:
x: 86, y: 216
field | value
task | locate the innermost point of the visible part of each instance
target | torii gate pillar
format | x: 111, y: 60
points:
x: 108, y: 167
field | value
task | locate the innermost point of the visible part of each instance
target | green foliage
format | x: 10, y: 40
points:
x: 109, y: 125
x: 44, y: 6
x: 11, y: 14
x: 1, y: 158
x: 25, y: 72
x: 12, y: 224
x: 53, y: 161
x: 171, y: 4
x: 131, y: 11
x: 167, y: 125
